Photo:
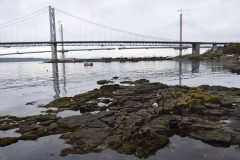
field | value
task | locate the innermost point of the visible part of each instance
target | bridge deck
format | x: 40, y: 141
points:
x: 108, y: 43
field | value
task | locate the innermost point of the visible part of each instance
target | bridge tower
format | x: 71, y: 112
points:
x: 180, y: 48
x: 53, y: 34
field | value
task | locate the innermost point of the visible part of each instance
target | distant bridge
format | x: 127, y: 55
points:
x: 114, y: 37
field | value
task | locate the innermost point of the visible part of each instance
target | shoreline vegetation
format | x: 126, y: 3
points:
x: 232, y: 51
x: 135, y: 118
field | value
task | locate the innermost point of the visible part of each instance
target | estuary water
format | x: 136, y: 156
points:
x: 40, y: 83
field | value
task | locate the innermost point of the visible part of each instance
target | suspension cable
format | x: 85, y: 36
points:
x: 111, y: 28
x: 23, y: 16
x: 23, y: 20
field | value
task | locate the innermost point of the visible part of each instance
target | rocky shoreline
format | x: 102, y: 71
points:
x: 135, y: 119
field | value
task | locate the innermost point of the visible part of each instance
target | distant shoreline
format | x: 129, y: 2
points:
x: 78, y: 60
x: 21, y: 59
x: 108, y: 60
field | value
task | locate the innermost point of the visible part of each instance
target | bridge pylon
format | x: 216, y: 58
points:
x: 180, y: 48
x: 53, y: 34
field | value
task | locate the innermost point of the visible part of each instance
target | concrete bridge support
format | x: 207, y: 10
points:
x: 214, y: 47
x: 196, y: 48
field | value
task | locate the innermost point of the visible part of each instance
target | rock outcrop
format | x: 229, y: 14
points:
x: 129, y: 122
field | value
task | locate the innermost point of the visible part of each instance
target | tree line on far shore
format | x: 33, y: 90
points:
x: 232, y: 48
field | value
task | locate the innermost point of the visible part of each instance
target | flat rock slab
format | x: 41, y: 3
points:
x: 76, y: 121
x: 211, y: 106
x: 213, y: 136
x: 215, y: 112
x: 52, y: 126
x: 96, y: 124
x: 108, y: 120
x: 87, y: 138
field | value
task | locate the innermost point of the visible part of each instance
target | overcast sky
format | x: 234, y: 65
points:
x: 205, y: 19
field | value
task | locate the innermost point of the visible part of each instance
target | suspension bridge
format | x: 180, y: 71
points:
x: 38, y: 29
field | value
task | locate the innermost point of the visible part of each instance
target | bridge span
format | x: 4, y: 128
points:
x: 19, y: 35
x: 121, y: 44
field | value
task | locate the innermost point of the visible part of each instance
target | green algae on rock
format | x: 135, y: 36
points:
x: 130, y: 124
x: 7, y: 141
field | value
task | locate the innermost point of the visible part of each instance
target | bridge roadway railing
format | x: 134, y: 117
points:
x: 110, y: 43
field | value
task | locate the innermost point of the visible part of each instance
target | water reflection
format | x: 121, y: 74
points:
x: 55, y: 80
x: 195, y: 66
x: 180, y: 73
x: 217, y: 67
x: 64, y: 80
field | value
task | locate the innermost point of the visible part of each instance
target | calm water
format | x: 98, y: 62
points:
x: 41, y: 83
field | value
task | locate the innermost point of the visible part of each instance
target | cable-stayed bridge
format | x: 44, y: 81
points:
x: 55, y: 28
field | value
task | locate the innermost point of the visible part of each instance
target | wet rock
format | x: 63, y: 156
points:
x: 212, y: 106
x: 7, y: 141
x: 3, y: 117
x: 226, y: 104
x: 212, y: 135
x: 85, y: 140
x: 211, y: 99
x: 106, y: 101
x: 213, y: 118
x: 64, y: 102
x: 235, y: 70
x: 235, y: 138
x: 51, y: 111
x: 146, y: 142
x: 113, y: 142
x: 127, y: 148
x: 104, y: 81
x: 67, y: 151
x: 146, y: 117
x: 104, y: 114
x: 127, y: 82
x: 88, y: 107
x: 115, y: 77
x: 41, y: 118
x: 131, y: 125
x: 96, y: 124
x: 42, y: 130
x: 142, y: 81
x: 46, y: 122
x: 29, y: 136
x: 198, y: 109
x: 75, y: 121
x: 215, y: 112
x: 102, y: 108
x: 110, y: 87
x: 108, y: 120
x: 133, y: 120
x: 30, y: 103
x: 8, y: 126
x: 234, y: 125
x: 52, y: 126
